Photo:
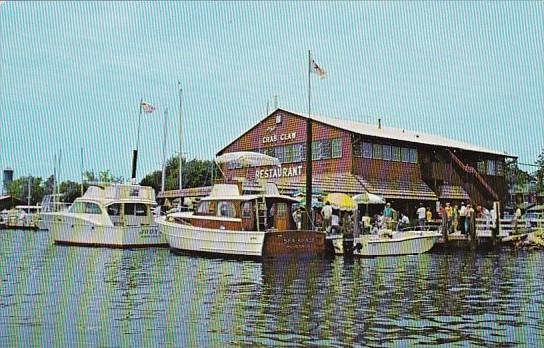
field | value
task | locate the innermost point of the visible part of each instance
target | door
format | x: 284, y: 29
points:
x: 282, y: 216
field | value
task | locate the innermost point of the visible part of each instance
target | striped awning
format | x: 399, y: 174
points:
x: 400, y: 189
x: 334, y: 182
x: 452, y: 192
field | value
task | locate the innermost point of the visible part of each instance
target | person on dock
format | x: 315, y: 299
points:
x: 297, y: 217
x: 335, y: 224
x: 449, y: 217
x: 469, y: 215
x: 420, y: 212
x: 388, y: 215
x: 462, y: 218
x: 454, y: 219
x: 403, y: 222
x: 429, y: 216
x: 326, y: 213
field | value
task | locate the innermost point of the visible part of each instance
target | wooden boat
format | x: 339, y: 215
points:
x: 117, y: 216
x: 389, y: 243
x: 230, y: 223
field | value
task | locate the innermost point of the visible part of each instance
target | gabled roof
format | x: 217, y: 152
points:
x: 387, y: 133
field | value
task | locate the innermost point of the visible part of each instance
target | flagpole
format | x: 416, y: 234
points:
x: 164, y: 150
x: 180, y: 140
x: 307, y: 219
x: 135, y: 152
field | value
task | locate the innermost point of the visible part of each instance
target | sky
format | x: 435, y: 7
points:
x: 72, y: 75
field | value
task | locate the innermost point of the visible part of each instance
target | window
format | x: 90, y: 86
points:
x: 395, y: 153
x: 85, y: 208
x: 337, y: 148
x: 413, y: 155
x: 491, y: 167
x: 114, y: 209
x: 316, y: 150
x: 297, y: 152
x: 203, y: 207
x: 500, y: 168
x: 326, y: 151
x: 279, y: 154
x: 226, y: 209
x: 282, y: 210
x: 357, y: 149
x: 480, y: 166
x: 288, y: 153
x: 386, y: 152
x: 246, y: 209
x: 367, y: 150
x: 377, y: 151
x: 77, y: 208
x: 405, y: 153
x: 269, y: 151
x: 140, y: 209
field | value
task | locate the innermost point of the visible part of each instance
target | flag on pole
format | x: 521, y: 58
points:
x: 147, y: 108
x: 319, y: 71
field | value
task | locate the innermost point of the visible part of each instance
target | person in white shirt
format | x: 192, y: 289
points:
x: 462, y: 218
x: 326, y: 213
x: 335, y: 223
x: 420, y: 212
x: 403, y: 222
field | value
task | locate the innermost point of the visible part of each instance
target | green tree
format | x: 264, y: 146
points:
x: 71, y: 190
x: 104, y: 176
x: 18, y: 188
x: 540, y: 172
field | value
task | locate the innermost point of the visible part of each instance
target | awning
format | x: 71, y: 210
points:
x: 326, y: 183
x: 400, y: 189
x: 453, y: 192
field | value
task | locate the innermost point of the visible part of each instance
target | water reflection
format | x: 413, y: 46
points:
x: 66, y: 296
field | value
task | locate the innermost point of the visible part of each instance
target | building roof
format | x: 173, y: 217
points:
x: 374, y: 130
x: 399, y: 134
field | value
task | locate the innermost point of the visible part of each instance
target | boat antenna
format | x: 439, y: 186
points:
x: 180, y: 139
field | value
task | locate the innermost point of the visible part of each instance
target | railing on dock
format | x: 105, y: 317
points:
x: 508, y: 227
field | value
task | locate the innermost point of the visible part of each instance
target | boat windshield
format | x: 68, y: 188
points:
x: 85, y: 208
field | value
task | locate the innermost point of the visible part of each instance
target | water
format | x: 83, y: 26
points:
x: 71, y: 296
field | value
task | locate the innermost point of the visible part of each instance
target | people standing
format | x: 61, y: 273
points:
x: 429, y: 215
x: 420, y: 212
x: 297, y: 217
x: 326, y: 213
x: 454, y: 219
x: 462, y: 218
x: 449, y: 216
x: 403, y: 222
x: 388, y: 215
x: 335, y: 223
x: 469, y: 215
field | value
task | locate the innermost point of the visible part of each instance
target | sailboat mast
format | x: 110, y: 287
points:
x: 180, y: 139
x: 308, y: 214
x: 164, y: 150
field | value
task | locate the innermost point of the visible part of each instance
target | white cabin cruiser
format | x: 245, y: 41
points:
x: 117, y: 216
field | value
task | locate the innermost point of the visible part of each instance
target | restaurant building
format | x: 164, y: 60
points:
x: 405, y: 167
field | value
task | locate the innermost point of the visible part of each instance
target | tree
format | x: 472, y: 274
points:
x: 18, y: 188
x: 104, y: 176
x: 540, y: 172
x: 71, y: 190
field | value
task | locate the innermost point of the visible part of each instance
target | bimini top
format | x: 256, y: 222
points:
x: 232, y: 192
x: 120, y: 193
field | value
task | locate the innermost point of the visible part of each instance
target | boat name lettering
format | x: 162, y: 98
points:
x: 282, y: 137
x: 149, y: 232
x: 278, y: 172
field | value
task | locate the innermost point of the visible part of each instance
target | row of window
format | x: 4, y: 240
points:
x: 136, y: 209
x: 490, y: 167
x: 293, y: 153
x: 386, y: 152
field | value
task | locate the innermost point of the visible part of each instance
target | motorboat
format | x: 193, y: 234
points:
x: 389, y: 243
x: 51, y: 203
x: 231, y: 223
x: 22, y: 217
x: 118, y: 216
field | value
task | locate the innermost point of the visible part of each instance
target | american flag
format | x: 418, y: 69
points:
x: 319, y: 71
x: 148, y: 108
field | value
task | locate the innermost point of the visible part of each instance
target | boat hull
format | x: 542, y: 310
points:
x: 251, y: 244
x: 408, y: 243
x: 73, y: 231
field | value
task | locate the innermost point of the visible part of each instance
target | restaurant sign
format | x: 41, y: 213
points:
x: 278, y: 172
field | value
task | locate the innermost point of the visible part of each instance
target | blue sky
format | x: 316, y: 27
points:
x: 72, y: 74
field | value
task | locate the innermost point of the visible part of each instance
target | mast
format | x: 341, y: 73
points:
x: 164, y: 150
x: 135, y: 152
x: 180, y: 186
x: 307, y: 219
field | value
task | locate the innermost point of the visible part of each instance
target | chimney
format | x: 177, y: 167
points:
x: 379, y: 123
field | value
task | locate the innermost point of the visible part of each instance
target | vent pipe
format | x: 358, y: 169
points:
x: 379, y: 123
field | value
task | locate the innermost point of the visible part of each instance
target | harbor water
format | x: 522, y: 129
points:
x: 73, y: 296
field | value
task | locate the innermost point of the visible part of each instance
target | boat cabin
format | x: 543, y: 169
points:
x: 226, y: 209
x: 123, y: 205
